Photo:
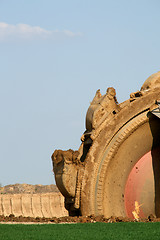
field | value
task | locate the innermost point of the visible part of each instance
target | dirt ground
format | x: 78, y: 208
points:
x: 81, y: 219
x: 28, y: 188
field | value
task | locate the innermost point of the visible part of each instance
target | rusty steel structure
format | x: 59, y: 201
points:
x: 115, y: 171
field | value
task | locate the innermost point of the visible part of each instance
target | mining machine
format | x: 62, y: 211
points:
x: 116, y: 170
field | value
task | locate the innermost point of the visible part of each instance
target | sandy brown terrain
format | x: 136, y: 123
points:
x: 28, y: 188
x: 34, y: 201
x: 24, y: 203
x: 68, y: 219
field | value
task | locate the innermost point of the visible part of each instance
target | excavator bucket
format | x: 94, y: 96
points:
x: 115, y: 171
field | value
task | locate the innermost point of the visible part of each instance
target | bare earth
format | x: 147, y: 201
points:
x: 28, y: 188
x: 68, y: 219
x: 31, y: 189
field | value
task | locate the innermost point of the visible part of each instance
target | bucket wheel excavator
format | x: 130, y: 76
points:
x: 116, y: 170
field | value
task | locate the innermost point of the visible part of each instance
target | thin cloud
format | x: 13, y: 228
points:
x: 25, y: 31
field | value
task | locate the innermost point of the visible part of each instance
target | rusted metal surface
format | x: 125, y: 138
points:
x: 140, y: 188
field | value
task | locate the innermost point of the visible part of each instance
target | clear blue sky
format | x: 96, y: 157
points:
x: 54, y: 55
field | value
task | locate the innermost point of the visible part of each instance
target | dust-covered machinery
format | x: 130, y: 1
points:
x: 116, y: 170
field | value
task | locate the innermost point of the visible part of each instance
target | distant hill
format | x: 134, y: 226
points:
x: 28, y: 188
